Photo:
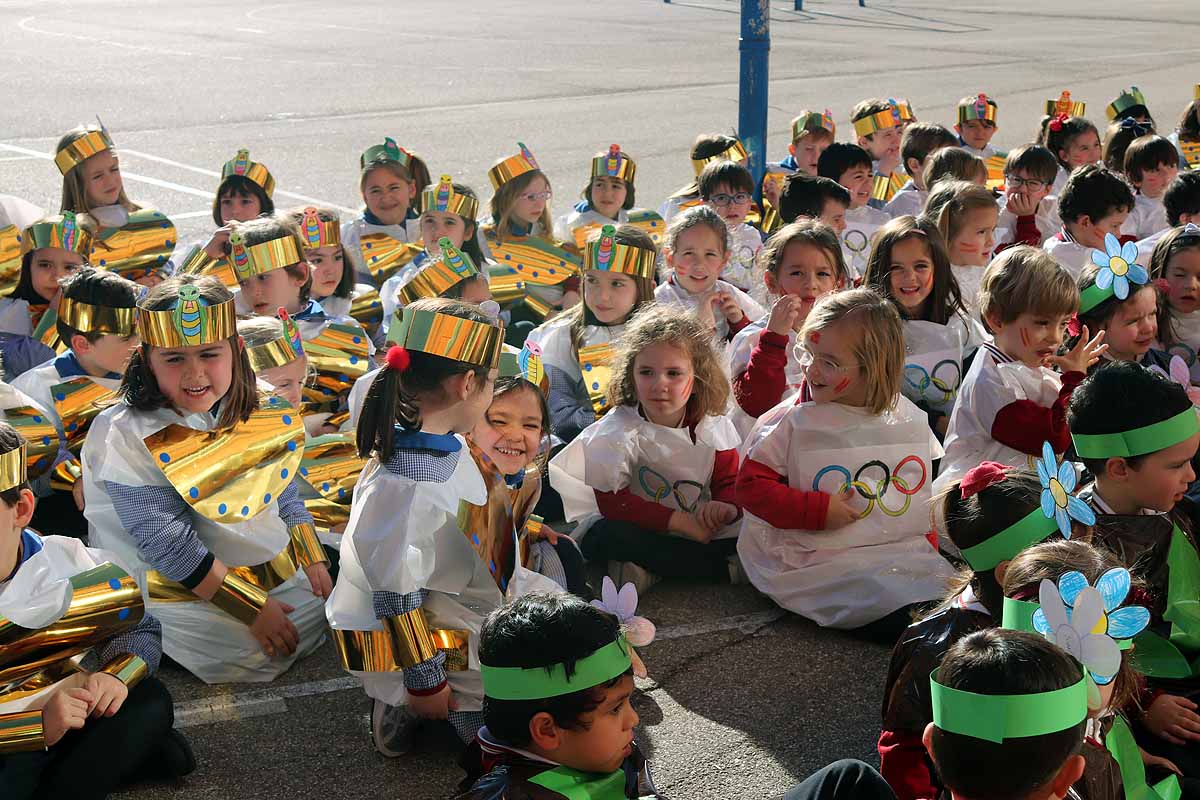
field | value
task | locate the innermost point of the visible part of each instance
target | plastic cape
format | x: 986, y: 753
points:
x: 528, y: 270
x: 933, y: 359
x: 36, y: 426
x: 141, y: 245
x: 861, y: 224
x: 671, y: 292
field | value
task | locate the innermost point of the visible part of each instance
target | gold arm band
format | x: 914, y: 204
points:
x: 21, y: 732
x: 128, y: 669
x: 305, y: 546
x: 411, y: 640
x: 239, y: 599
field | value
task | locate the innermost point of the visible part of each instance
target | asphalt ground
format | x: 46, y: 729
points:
x: 743, y: 700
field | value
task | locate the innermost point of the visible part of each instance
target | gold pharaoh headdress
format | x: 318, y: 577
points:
x: 254, y: 171
x: 607, y: 254
x: 448, y: 336
x: 442, y: 197
x: 261, y: 258
x: 513, y: 166
x: 193, y: 321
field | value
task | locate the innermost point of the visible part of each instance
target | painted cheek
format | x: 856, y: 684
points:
x: 815, y: 337
x: 842, y: 385
x: 1024, y: 337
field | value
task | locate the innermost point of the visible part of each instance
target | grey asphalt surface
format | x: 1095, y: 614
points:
x: 738, y: 706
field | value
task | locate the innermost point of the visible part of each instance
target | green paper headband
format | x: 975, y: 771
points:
x: 997, y: 717
x: 538, y: 683
x: 1139, y: 441
x: 1030, y: 529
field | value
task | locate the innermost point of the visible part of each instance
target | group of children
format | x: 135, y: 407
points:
x: 873, y: 395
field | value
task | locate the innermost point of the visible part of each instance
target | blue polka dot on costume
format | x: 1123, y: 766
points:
x: 123, y: 613
x: 164, y: 458
x: 60, y: 396
x: 287, y: 419
x: 325, y: 486
x: 304, y: 471
x: 507, y: 257
x: 587, y: 367
x: 356, y: 340
x: 291, y: 446
x: 553, y: 271
x: 344, y: 378
x: 341, y: 492
x: 71, y: 428
x: 283, y: 473
x: 193, y: 492
x: 595, y: 387
x: 266, y: 498
x: 245, y: 511
x: 274, y: 401
x: 475, y: 538
x: 353, y: 360
x: 562, y: 263
x: 535, y: 274
x: 37, y: 419
x: 103, y: 262
x: 221, y: 509
x: 45, y: 440
x: 114, y: 584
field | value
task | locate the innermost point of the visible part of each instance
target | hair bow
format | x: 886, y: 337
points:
x: 981, y: 477
x: 1074, y: 327
x: 1056, y: 122
x: 1139, y: 128
x: 1191, y: 229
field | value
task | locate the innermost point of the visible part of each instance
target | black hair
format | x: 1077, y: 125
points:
x: 268, y: 227
x: 1095, y: 192
x: 1005, y: 662
x: 630, y: 193
x: 515, y: 384
x: 345, y: 286
x: 1057, y: 140
x: 805, y: 196
x: 841, y: 157
x: 1149, y: 152
x: 10, y: 440
x: 240, y: 186
x: 540, y: 630
x: 1033, y: 160
x: 724, y: 173
x: 98, y: 287
x: 1182, y: 196
x: 1121, y: 396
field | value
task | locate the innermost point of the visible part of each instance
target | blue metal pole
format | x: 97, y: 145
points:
x: 800, y: 4
x: 755, y: 47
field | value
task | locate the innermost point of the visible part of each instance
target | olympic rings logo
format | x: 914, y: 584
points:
x: 664, y: 487
x: 932, y: 387
x: 856, y: 242
x: 1183, y: 351
x: 891, y: 478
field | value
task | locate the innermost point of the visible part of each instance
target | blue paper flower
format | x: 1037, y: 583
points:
x: 1117, y: 266
x: 1058, y: 481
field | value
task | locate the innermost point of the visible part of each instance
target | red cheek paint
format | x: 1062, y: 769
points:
x: 842, y: 385
x: 815, y: 337
x: 1024, y: 337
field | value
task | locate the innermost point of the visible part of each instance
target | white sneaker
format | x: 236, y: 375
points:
x: 393, y: 729
x: 623, y: 572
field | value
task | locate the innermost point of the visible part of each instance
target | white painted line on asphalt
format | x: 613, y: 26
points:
x: 177, y: 187
x: 249, y: 30
x: 190, y: 214
x: 264, y: 702
x: 18, y: 158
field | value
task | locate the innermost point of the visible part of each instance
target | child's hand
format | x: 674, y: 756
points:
x: 318, y: 576
x: 218, y: 242
x: 690, y: 526
x: 785, y: 314
x: 108, y: 694
x: 770, y: 191
x: 317, y: 424
x: 276, y: 634
x: 727, y: 304
x: 77, y: 493
x: 1150, y: 760
x: 715, y: 515
x: 840, y: 513
x: 66, y: 710
x: 1173, y: 718
x: 550, y: 535
x: 1082, y: 355
x: 569, y: 299
x: 1020, y: 204
x: 433, y: 706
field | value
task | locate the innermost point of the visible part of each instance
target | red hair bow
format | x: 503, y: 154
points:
x: 1056, y: 122
x: 981, y: 477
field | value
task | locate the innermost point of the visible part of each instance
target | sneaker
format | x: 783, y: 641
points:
x: 623, y: 572
x: 393, y: 729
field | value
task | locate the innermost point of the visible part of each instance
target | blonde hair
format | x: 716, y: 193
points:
x: 671, y: 325
x: 950, y: 202
x: 806, y: 231
x: 74, y: 194
x: 1025, y: 278
x: 952, y: 163
x: 880, y: 345
x: 505, y: 198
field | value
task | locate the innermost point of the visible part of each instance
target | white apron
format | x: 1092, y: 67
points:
x: 933, y: 357
x: 672, y: 293
x: 740, y: 350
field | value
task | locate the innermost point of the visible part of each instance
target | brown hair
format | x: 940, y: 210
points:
x: 671, y: 325
x: 696, y: 216
x: 1101, y: 314
x: 1025, y: 278
x: 1189, y: 123
x: 240, y: 186
x: 1148, y: 152
x: 345, y: 287
x: 416, y: 172
x: 945, y: 299
x: 922, y: 139
x: 1117, y: 138
x: 949, y: 203
x: 806, y: 231
x: 952, y: 163
x: 74, y: 194
x: 505, y: 197
x: 269, y: 227
x: 1172, y: 243
x: 580, y: 315
x: 1034, y: 160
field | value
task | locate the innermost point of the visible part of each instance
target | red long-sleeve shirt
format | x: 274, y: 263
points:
x: 761, y: 385
x: 905, y: 765
x: 765, y: 493
x: 1024, y: 425
x: 1025, y: 232
x: 625, y: 506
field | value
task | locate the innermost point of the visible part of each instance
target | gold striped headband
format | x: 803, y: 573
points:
x: 12, y: 468
x: 264, y: 257
x: 80, y: 150
x: 607, y: 254
x: 448, y: 336
x: 89, y: 318
x: 193, y: 321
x: 735, y: 152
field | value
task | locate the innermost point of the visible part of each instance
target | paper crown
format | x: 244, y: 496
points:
x: 527, y: 364
x: 982, y: 108
x: 257, y: 173
x: 614, y: 164
x: 1118, y: 272
x: 81, y: 149
x: 905, y: 108
x: 90, y: 318
x: 1196, y: 91
x: 810, y: 121
x: 193, y: 321
x: 449, y: 269
x: 538, y: 683
x: 997, y: 717
x: 881, y: 120
x: 735, y: 152
x: 607, y: 254
x: 1063, y: 104
x: 264, y: 257
x: 447, y: 336
x: 506, y: 169
x: 60, y: 232
x: 317, y: 232
x: 12, y: 468
x: 442, y: 197
x: 388, y: 151
x: 1125, y: 100
x: 280, y: 351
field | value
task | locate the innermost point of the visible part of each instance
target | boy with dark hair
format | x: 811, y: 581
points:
x: 1095, y: 202
x: 879, y: 125
x: 812, y: 132
x: 975, y: 128
x: 815, y: 197
x: 1151, y: 163
x: 850, y: 165
x: 728, y: 188
x: 919, y: 141
x: 1181, y: 202
x: 1028, y: 212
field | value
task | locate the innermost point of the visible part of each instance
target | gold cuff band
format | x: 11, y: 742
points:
x: 374, y: 651
x: 305, y: 547
x: 21, y: 732
x: 239, y: 599
x: 411, y: 641
x: 128, y: 669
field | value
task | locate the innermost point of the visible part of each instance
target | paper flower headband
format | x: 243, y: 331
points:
x: 639, y: 631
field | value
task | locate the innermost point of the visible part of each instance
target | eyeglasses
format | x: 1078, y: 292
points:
x: 725, y: 199
x: 1025, y: 183
x: 533, y: 197
x: 827, y: 365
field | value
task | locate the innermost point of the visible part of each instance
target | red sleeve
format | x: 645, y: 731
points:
x: 765, y: 493
x: 723, y: 483
x: 1023, y: 425
x: 761, y: 385
x: 904, y: 764
x: 626, y: 506
x: 734, y: 327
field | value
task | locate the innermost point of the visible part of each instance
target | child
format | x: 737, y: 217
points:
x: 1074, y: 141
x: 1181, y: 202
x: 1129, y: 104
x: 520, y: 239
x: 850, y: 165
x: 976, y: 127
x: 557, y: 682
x: 728, y: 189
x: 920, y: 140
x: 134, y: 241
x: 812, y: 132
x: 696, y: 252
x: 1151, y: 163
x: 707, y: 148
x: 1011, y: 401
x: 878, y: 128
x: 816, y: 198
x: 608, y: 199
x: 96, y: 321
x: 966, y: 214
x: 378, y: 242
x: 910, y: 267
x: 235, y: 577
x: 801, y: 263
x: 577, y: 346
x: 1117, y: 139
x: 1176, y: 260
x: 1095, y: 202
x: 1186, y: 137
x: 86, y: 726
x: 659, y: 469
x: 953, y: 163
x: 1028, y: 212
x: 410, y: 576
x: 51, y: 249
x: 1130, y: 323
x: 807, y: 541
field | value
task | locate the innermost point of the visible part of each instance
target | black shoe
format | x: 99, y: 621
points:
x: 175, y: 756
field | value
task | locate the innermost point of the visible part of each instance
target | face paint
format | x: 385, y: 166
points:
x: 815, y: 337
x: 1024, y: 337
x: 842, y: 385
